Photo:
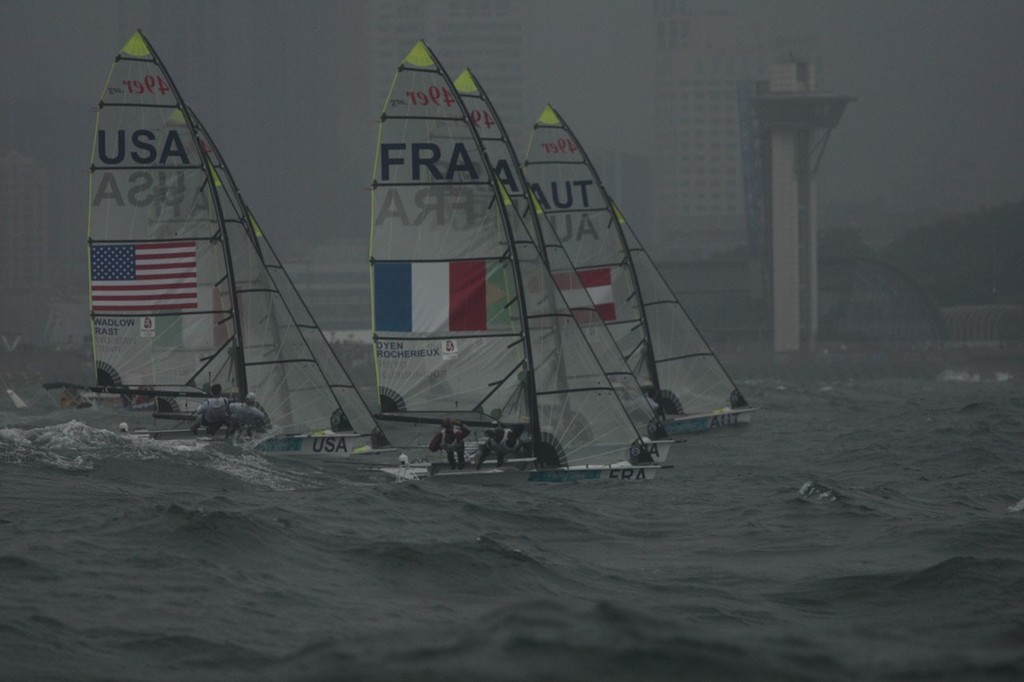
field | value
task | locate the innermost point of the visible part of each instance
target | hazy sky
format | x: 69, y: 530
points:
x: 937, y: 123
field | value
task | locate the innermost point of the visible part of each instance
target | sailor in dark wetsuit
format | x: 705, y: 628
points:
x: 503, y: 442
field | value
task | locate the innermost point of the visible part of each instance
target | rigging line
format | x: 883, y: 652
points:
x: 495, y: 335
x: 498, y: 384
x: 93, y: 240
x: 581, y: 389
x: 208, y: 360
x: 168, y: 313
x: 136, y: 105
x: 707, y: 354
x: 122, y: 167
x: 282, y: 361
x: 402, y: 117
x: 470, y: 259
x: 377, y: 184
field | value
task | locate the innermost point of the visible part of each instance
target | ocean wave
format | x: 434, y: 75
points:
x: 960, y: 579
x: 959, y: 375
x: 18, y: 568
x: 868, y: 531
x: 79, y: 447
x: 817, y: 492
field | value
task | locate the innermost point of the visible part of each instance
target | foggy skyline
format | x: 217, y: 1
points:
x: 935, y: 127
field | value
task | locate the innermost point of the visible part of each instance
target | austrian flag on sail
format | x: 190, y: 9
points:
x: 431, y: 297
x: 143, y: 276
x: 586, y: 289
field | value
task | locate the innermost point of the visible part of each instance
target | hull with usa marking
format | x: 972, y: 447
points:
x: 329, y: 445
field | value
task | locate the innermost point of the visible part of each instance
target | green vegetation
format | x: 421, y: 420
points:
x: 972, y: 259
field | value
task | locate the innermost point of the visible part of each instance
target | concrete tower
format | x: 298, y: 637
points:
x: 795, y: 121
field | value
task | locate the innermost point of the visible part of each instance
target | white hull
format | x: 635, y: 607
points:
x: 504, y: 476
x: 331, y: 445
x: 678, y: 425
x: 355, y: 447
x: 658, y: 449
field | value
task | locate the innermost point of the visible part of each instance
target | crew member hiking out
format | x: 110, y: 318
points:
x: 451, y: 438
x: 212, y: 413
x: 246, y: 417
x: 504, y: 442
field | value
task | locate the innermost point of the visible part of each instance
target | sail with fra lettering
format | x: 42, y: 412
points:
x: 664, y: 349
x: 185, y: 289
x: 467, y: 320
x: 526, y: 210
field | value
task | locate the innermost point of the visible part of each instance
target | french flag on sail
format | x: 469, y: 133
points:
x: 595, y: 283
x: 430, y: 297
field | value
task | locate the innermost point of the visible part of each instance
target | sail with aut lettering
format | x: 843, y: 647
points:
x: 569, y: 287
x: 664, y: 349
x: 185, y: 289
x: 467, y: 320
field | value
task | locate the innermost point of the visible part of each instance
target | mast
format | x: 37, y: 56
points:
x: 505, y: 202
x: 239, y: 346
x: 530, y: 215
x: 311, y: 345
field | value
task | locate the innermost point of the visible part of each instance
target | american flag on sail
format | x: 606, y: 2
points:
x: 139, y: 277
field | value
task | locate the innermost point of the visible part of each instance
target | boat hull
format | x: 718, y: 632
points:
x: 679, y: 425
x: 334, y: 446
x: 507, y: 476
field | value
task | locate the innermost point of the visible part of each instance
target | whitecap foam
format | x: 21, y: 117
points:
x: 811, y: 490
x: 959, y: 375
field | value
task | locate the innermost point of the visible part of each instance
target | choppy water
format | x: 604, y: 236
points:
x: 871, y: 530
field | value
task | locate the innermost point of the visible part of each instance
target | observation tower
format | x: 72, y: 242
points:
x: 795, y: 122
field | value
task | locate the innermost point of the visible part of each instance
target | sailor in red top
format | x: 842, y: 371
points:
x: 451, y: 438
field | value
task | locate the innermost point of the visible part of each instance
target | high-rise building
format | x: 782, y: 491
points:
x: 706, y: 63
x: 27, y: 260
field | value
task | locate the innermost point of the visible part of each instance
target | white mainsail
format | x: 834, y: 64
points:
x: 663, y: 347
x: 185, y: 289
x: 467, y: 320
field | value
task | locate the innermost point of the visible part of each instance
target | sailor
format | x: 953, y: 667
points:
x: 246, y: 417
x: 653, y: 402
x: 451, y: 438
x: 501, y: 441
x: 212, y: 412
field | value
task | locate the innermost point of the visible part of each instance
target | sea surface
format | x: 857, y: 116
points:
x: 863, y: 530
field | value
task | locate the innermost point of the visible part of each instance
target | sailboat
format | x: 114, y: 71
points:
x: 185, y: 289
x: 664, y: 349
x: 467, y: 320
x: 528, y: 211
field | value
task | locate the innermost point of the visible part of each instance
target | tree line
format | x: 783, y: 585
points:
x: 970, y: 259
